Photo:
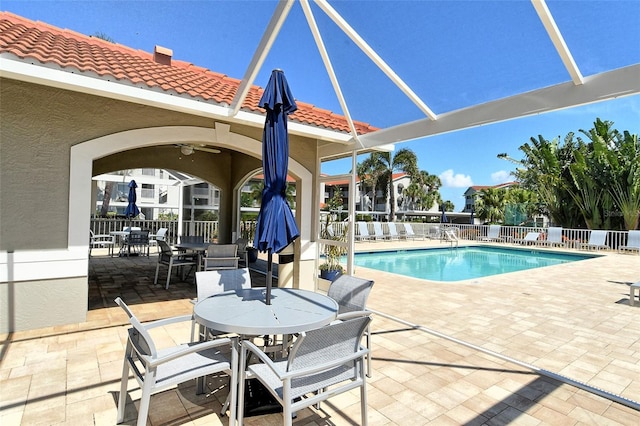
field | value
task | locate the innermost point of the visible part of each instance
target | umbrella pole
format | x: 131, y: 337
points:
x: 269, y: 274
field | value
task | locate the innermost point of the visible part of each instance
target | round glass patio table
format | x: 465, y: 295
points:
x: 245, y: 312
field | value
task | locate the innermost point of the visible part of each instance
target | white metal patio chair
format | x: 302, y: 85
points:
x: 633, y: 242
x: 351, y: 293
x: 101, y: 241
x: 210, y: 283
x: 172, y: 259
x: 321, y: 364
x: 156, y: 370
x: 137, y: 242
x: 243, y: 251
x: 220, y: 256
x: 161, y: 235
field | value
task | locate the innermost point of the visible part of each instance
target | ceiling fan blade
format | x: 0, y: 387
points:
x: 211, y: 150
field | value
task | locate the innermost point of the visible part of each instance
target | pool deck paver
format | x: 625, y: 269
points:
x: 572, y: 319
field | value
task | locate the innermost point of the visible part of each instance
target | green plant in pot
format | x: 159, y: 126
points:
x: 331, y: 268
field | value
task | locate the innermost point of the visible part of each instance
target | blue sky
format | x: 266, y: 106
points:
x: 453, y: 54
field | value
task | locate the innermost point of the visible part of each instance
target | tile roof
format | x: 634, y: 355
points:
x: 94, y: 57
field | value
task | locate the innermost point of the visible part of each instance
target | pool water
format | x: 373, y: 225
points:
x: 461, y: 263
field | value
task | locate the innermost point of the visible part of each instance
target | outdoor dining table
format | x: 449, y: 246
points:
x: 245, y: 313
x: 197, y: 248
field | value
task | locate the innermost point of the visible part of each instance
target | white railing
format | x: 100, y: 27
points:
x: 573, y: 238
x: 207, y: 228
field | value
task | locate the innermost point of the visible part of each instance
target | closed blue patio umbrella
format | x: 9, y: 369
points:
x: 443, y: 217
x: 132, y: 210
x: 276, y: 227
x: 471, y: 218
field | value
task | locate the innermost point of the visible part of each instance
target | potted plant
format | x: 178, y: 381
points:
x: 331, y: 268
x: 247, y: 232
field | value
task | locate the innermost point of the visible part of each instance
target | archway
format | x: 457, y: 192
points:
x: 83, y: 155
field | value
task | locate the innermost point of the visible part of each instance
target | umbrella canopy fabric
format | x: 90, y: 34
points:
x: 443, y: 218
x: 132, y: 210
x: 276, y: 227
x: 471, y: 218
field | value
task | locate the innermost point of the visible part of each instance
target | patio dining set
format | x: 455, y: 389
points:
x: 303, y: 348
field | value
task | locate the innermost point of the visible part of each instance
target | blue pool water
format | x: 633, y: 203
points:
x: 462, y: 263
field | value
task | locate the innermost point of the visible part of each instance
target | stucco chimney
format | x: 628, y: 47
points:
x: 162, y: 55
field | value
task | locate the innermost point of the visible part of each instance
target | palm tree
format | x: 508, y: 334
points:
x: 490, y: 205
x: 381, y: 166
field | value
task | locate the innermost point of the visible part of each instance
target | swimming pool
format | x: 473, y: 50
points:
x: 462, y: 263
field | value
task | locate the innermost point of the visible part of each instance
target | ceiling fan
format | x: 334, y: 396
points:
x: 188, y: 149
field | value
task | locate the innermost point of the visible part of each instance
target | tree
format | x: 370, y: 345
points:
x: 381, y: 166
x: 490, y: 205
x: 593, y: 183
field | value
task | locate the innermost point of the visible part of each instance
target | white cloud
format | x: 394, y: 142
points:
x: 501, y: 176
x: 450, y: 180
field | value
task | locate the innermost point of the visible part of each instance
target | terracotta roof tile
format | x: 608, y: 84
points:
x: 70, y: 50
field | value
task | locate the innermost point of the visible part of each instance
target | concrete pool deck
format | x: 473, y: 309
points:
x: 573, y: 320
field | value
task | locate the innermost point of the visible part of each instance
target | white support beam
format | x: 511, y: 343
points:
x: 596, y: 88
x: 329, y: 67
x: 261, y: 53
x: 375, y: 58
x: 558, y: 41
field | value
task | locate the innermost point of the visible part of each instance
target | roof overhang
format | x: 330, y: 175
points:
x: 17, y: 69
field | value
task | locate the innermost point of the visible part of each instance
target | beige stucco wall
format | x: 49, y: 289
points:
x: 38, y: 128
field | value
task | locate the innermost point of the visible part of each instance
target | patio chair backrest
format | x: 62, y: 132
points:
x: 192, y: 239
x: 633, y: 239
x: 221, y: 256
x: 377, y: 229
x: 165, y: 252
x: 326, y: 344
x: 140, y: 338
x: 393, y: 230
x: 351, y: 293
x: 554, y: 234
x: 408, y: 229
x: 597, y: 237
x: 138, y: 237
x: 162, y: 234
x: 210, y: 283
x: 494, y: 231
x: 363, y: 228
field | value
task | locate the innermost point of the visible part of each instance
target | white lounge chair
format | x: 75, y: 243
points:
x: 393, y: 231
x: 530, y: 238
x: 493, y: 234
x: 597, y: 241
x: 363, y: 232
x: 633, y: 242
x: 554, y: 237
x: 378, y: 233
x: 409, y: 233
